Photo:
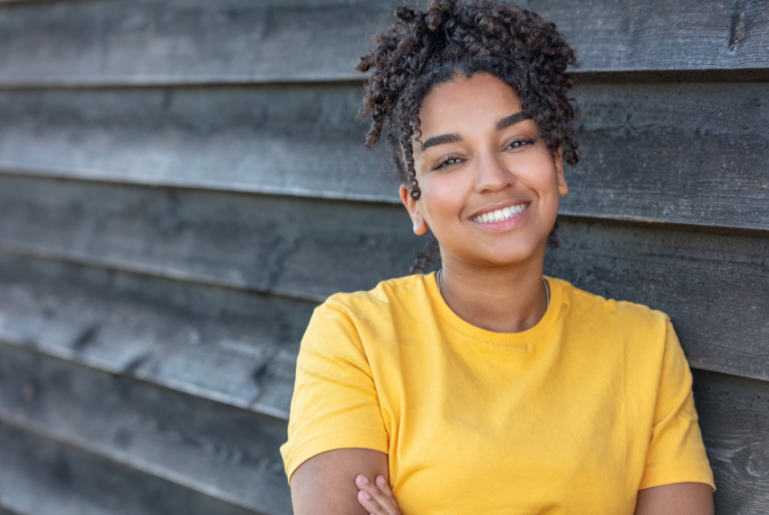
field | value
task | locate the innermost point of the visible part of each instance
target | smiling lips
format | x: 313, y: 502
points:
x: 500, y: 215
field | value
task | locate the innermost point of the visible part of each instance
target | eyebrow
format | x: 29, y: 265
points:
x: 453, y: 138
x: 514, y: 118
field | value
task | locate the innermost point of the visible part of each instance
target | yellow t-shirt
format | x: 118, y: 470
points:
x: 572, y: 416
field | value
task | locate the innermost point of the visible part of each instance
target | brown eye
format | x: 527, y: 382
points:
x: 519, y: 143
x: 445, y: 163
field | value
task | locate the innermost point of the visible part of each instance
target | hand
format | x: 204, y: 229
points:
x: 376, y: 498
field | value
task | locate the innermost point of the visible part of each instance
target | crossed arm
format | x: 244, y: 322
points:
x: 332, y: 483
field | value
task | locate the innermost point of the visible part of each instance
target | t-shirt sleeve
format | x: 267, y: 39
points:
x: 335, y: 403
x: 676, y: 453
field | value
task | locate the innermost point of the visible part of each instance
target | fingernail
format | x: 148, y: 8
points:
x: 365, y: 480
x: 366, y: 495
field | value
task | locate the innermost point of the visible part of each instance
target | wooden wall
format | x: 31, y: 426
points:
x: 182, y: 181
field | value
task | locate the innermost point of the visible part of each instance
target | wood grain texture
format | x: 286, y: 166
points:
x: 734, y: 418
x: 712, y: 284
x: 41, y: 477
x: 179, y: 41
x: 683, y: 153
x: 658, y: 35
x: 175, y: 41
x: 226, y: 345
x: 295, y: 140
x: 298, y: 247
x: 223, y: 453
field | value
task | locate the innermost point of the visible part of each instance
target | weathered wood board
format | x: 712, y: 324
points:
x: 288, y: 139
x: 665, y: 152
x: 39, y: 477
x: 734, y: 418
x: 176, y: 41
x: 222, y: 452
x: 659, y: 35
x: 299, y: 247
x: 296, y: 247
x: 139, y: 42
x: 221, y: 344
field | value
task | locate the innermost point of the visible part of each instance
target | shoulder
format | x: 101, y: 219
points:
x: 368, y: 318
x: 385, y: 297
x: 632, y: 336
x: 611, y: 312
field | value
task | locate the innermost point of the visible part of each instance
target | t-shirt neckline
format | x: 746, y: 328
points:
x: 528, y: 336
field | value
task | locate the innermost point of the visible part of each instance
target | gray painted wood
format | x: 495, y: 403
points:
x: 300, y: 247
x: 659, y: 35
x: 312, y: 248
x: 227, y: 345
x: 179, y: 41
x: 683, y: 153
x: 295, y: 140
x: 137, y: 42
x: 41, y: 477
x: 211, y: 449
x: 714, y: 286
x: 734, y: 418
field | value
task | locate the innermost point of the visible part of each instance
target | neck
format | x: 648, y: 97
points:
x: 503, y: 299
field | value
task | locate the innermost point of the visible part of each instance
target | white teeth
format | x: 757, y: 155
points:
x: 500, y: 214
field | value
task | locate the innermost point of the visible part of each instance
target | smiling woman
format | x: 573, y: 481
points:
x: 487, y: 388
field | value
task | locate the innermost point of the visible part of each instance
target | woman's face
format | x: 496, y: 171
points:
x: 490, y: 186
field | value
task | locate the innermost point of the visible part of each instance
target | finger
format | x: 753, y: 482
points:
x: 371, y: 495
x: 369, y: 504
x: 385, y: 488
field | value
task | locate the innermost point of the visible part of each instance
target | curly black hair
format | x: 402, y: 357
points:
x: 427, y: 47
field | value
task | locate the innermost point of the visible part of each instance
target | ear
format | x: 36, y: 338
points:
x: 412, y: 206
x: 563, y: 188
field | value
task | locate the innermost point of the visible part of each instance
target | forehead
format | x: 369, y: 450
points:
x: 480, y: 99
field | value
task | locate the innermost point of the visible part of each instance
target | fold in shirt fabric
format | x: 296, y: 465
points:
x: 572, y: 416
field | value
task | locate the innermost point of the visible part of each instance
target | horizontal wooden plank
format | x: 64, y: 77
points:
x: 659, y: 35
x: 734, y: 418
x: 286, y: 140
x: 222, y: 344
x: 298, y: 247
x: 684, y: 153
x: 713, y: 284
x: 137, y: 42
x: 41, y: 477
x: 177, y: 41
x: 213, y: 450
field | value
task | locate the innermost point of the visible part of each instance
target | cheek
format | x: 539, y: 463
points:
x: 443, y: 198
x: 538, y: 172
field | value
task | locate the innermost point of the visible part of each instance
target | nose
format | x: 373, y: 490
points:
x: 492, y: 175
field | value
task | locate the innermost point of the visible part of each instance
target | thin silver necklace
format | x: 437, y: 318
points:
x: 547, y: 288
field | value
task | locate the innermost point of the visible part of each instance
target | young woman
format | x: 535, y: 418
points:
x: 487, y: 388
